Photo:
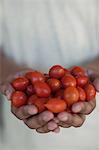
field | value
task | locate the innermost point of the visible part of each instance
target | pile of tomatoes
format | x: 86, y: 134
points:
x: 56, y: 91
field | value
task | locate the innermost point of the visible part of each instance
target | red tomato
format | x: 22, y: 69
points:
x: 56, y: 105
x: 20, y: 83
x: 35, y: 76
x: 59, y: 94
x: 82, y: 94
x: 54, y: 84
x: 66, y: 71
x: 71, y: 95
x: 90, y: 92
x: 78, y: 71
x: 32, y: 99
x: 42, y: 89
x: 68, y: 80
x: 82, y: 81
x: 38, y: 102
x: 30, y: 90
x: 18, y: 99
x: 56, y: 72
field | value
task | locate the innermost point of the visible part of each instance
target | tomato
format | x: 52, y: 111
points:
x: 90, y: 92
x: 66, y: 71
x: 82, y: 94
x: 35, y: 76
x: 42, y: 89
x: 71, y: 95
x: 30, y: 90
x: 77, y: 71
x: 54, y: 84
x: 56, y: 72
x: 82, y: 81
x: 68, y: 80
x: 59, y: 94
x: 18, y: 99
x: 38, y: 102
x: 20, y: 83
x: 32, y: 99
x: 56, y: 105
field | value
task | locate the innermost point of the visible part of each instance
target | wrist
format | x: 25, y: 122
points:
x: 93, y: 65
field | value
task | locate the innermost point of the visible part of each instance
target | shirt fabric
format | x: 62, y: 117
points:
x: 38, y: 34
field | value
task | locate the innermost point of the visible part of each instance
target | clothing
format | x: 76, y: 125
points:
x: 38, y: 34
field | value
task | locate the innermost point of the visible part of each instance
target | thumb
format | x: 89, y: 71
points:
x: 7, y: 90
x: 96, y: 84
x: 92, y: 74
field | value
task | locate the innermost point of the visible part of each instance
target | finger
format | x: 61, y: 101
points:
x: 64, y: 125
x: 24, y: 111
x: 57, y: 130
x: 65, y: 117
x: 51, y: 126
x: 39, y: 120
x: 91, y: 74
x: 84, y: 107
x: 78, y: 120
x: 96, y: 84
x: 7, y: 90
x: 56, y: 120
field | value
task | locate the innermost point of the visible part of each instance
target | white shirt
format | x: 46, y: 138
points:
x: 38, y: 34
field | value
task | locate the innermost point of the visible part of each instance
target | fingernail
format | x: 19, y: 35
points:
x: 76, y: 108
x: 52, y: 125
x: 32, y: 110
x: 63, y: 117
x: 47, y: 117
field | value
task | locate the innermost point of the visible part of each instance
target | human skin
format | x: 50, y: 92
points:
x: 46, y: 122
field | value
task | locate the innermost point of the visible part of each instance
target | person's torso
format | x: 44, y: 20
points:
x: 40, y: 33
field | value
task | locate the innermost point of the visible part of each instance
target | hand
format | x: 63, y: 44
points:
x: 28, y: 113
x: 66, y: 119
x: 80, y: 110
x: 41, y: 122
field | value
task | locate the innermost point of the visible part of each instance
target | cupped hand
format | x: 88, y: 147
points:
x: 78, y: 115
x: 46, y: 121
x: 80, y: 109
x: 28, y: 114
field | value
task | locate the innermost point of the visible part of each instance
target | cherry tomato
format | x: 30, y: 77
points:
x: 56, y: 72
x: 82, y: 81
x: 38, y: 102
x: 90, y: 92
x: 56, y: 105
x: 82, y: 94
x: 32, y: 99
x: 54, y: 84
x: 30, y: 90
x: 66, y: 71
x: 35, y: 76
x: 71, y: 95
x: 20, y: 83
x: 68, y: 80
x: 18, y: 99
x: 59, y: 94
x: 77, y: 71
x: 42, y: 89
